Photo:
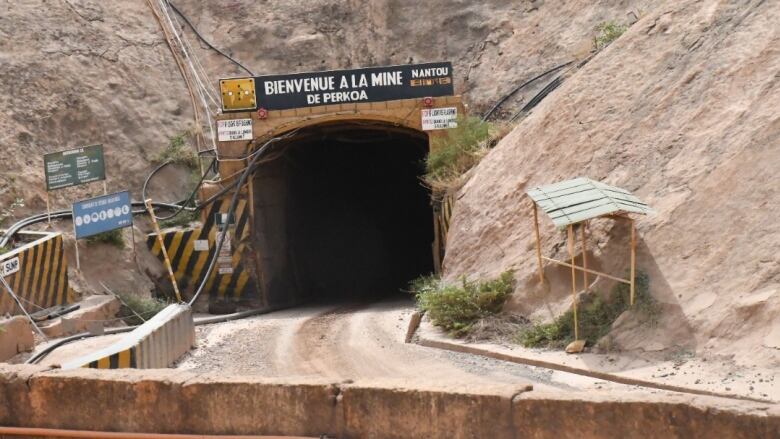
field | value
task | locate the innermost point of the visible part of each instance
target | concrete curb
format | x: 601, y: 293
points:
x: 466, y: 349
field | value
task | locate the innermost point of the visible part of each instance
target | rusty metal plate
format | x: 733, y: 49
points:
x: 238, y: 94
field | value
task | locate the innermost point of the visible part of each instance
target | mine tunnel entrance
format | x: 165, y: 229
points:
x: 341, y: 214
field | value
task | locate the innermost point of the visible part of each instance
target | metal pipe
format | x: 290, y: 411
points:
x: 60, y: 433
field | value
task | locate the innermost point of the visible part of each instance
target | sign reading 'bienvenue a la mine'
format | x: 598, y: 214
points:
x: 280, y: 92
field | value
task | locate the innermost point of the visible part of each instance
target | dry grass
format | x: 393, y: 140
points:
x: 462, y: 148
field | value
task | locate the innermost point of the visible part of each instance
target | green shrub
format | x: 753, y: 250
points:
x: 595, y: 317
x: 112, y: 237
x: 134, y: 305
x: 178, y: 151
x: 609, y: 31
x: 456, y: 307
x: 458, y: 151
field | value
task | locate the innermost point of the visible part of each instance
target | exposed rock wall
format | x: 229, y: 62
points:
x: 682, y: 110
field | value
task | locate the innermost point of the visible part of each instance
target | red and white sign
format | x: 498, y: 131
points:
x: 439, y: 118
x: 234, y: 129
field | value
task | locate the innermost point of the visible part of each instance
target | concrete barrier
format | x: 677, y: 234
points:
x: 158, y: 343
x: 37, y: 272
x: 172, y: 401
x: 16, y: 335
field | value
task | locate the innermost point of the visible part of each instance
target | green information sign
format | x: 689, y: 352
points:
x: 74, y: 167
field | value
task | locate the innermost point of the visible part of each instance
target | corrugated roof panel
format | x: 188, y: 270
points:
x: 580, y: 199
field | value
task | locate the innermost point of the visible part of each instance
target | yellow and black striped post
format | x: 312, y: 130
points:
x: 150, y: 208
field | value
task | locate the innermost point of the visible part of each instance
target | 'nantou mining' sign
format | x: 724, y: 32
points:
x: 280, y: 92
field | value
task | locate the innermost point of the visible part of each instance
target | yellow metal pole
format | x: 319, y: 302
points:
x: 584, y: 258
x: 573, y: 281
x: 538, y: 244
x: 150, y: 208
x: 633, y: 260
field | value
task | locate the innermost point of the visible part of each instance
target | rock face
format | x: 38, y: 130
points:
x: 79, y: 72
x: 88, y: 72
x: 681, y: 110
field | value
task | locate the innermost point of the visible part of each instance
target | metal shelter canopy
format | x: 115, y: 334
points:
x: 580, y: 199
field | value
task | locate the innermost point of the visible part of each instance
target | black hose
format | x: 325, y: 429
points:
x: 203, y: 321
x: 42, y: 217
x: 206, y: 42
x: 183, y: 205
x: 231, y: 210
x: 538, y: 97
x: 42, y: 354
x: 519, y: 87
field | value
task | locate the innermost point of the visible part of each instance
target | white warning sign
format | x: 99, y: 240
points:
x: 234, y: 129
x: 9, y: 267
x: 439, y: 118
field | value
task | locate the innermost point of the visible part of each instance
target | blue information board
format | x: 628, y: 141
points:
x: 102, y: 214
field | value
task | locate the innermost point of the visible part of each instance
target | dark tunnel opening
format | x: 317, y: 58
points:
x: 342, y: 215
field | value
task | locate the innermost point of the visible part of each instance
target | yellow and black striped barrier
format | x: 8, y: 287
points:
x: 190, y: 251
x: 37, y: 272
x: 158, y: 343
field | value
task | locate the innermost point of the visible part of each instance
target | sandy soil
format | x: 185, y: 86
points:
x: 347, y: 342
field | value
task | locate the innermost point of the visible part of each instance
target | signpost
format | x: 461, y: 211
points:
x: 374, y: 84
x: 73, y: 167
x: 101, y: 214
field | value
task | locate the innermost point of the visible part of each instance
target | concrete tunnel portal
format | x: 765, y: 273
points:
x: 341, y: 213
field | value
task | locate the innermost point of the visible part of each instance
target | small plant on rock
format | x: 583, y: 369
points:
x: 595, y: 316
x: 178, y: 151
x: 457, y: 307
x: 135, y: 309
x: 112, y: 237
x: 458, y: 150
x: 609, y: 31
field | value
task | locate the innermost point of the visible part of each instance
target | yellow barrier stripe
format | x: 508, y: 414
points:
x: 18, y: 274
x: 28, y: 271
x: 212, y: 241
x: 242, y: 281
x: 156, y: 249
x: 40, y: 292
x: 50, y: 290
x: 104, y: 363
x: 61, y: 285
x: 34, y: 275
x: 175, y: 242
x: 189, y: 249
x: 124, y: 359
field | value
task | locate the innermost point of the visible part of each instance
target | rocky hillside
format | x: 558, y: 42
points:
x: 682, y: 110
x: 77, y: 72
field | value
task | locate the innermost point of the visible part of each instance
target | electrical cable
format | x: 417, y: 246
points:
x: 538, y: 97
x: 231, y: 210
x: 63, y: 214
x: 37, y: 357
x: 521, y: 86
x: 206, y: 42
x: 182, y: 205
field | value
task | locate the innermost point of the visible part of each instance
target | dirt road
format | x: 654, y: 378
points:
x: 360, y: 341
